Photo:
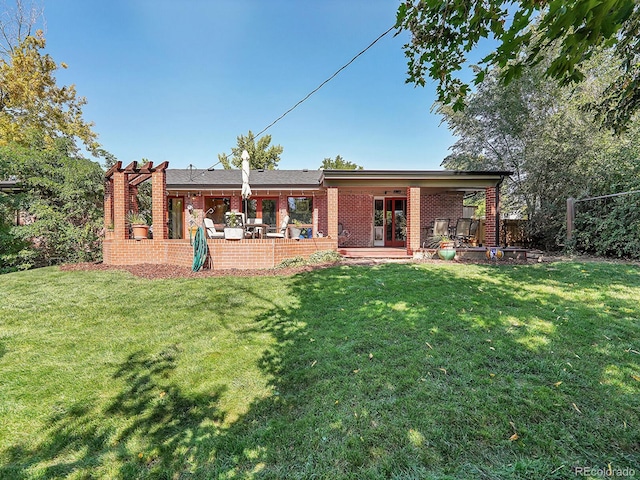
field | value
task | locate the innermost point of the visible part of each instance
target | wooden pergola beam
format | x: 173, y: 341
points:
x: 148, y: 168
x: 132, y: 167
x: 143, y: 177
x: 114, y: 168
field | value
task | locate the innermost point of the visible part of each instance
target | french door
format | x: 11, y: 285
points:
x: 395, y: 222
x: 176, y: 217
x: 264, y: 208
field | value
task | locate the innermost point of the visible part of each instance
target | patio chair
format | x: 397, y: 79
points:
x: 473, y: 231
x: 343, y: 234
x: 283, y: 229
x: 462, y: 233
x: 250, y: 230
x: 441, y: 227
x: 211, y: 229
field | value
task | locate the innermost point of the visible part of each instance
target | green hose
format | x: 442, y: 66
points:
x: 200, y: 250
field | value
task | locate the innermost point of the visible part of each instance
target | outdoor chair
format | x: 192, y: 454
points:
x: 343, y: 234
x: 462, y: 233
x: 441, y: 227
x: 250, y: 230
x: 473, y: 232
x: 282, y: 233
x: 211, y: 229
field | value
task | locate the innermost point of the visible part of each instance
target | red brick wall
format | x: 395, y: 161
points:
x: 225, y: 254
x: 159, y: 204
x: 320, y: 206
x: 414, y: 221
x: 355, y: 212
x: 332, y: 212
x: 442, y: 205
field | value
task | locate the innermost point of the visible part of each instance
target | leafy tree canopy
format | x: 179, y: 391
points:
x: 444, y: 32
x: 261, y: 154
x: 33, y: 106
x: 60, y: 206
x: 339, y: 163
x: 538, y: 130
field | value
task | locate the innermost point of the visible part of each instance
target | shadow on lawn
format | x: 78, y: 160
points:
x: 156, y: 422
x: 380, y: 372
x: 383, y: 372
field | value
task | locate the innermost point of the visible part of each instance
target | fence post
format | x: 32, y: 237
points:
x: 571, y: 215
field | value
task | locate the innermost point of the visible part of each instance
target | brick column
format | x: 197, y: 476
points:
x: 491, y: 227
x: 133, y: 196
x: 120, y: 205
x: 332, y: 212
x: 413, y: 219
x: 108, y: 203
x: 159, y: 205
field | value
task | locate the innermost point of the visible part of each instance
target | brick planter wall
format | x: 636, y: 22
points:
x: 225, y: 254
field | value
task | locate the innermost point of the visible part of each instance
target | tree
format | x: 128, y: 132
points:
x: 538, y: 130
x: 339, y: 163
x: 62, y: 202
x: 260, y: 153
x: 32, y: 106
x: 443, y: 33
x: 17, y: 22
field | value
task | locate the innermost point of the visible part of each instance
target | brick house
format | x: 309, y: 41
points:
x: 350, y: 208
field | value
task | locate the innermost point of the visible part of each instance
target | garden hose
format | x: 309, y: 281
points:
x: 200, y: 250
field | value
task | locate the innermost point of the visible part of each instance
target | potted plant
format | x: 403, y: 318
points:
x: 295, y: 231
x: 446, y: 250
x: 233, y: 229
x: 139, y: 227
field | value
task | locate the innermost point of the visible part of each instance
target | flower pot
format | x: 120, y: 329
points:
x: 233, y: 233
x: 447, y: 253
x: 295, y: 232
x: 447, y: 244
x: 140, y: 231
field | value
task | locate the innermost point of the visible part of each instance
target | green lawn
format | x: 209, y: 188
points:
x: 443, y: 371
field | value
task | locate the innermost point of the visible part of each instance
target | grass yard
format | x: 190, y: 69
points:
x: 436, y: 371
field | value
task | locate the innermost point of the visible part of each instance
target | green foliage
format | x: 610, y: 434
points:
x: 33, y: 106
x: 539, y: 131
x: 567, y: 33
x: 339, y: 163
x: 325, y: 256
x: 292, y: 262
x: 261, y: 155
x: 61, y: 205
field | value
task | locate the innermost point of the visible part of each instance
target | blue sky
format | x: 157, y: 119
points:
x: 179, y: 81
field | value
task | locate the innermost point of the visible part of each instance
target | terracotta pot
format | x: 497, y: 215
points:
x: 140, y: 231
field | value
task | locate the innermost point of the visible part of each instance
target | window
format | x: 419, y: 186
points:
x: 216, y: 207
x: 301, y: 209
x: 263, y: 208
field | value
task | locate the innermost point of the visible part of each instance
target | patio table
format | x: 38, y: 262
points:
x: 252, y: 227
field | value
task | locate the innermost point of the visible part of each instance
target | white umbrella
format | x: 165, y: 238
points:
x: 246, y: 189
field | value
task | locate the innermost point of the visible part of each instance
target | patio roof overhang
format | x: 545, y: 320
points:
x: 435, y: 180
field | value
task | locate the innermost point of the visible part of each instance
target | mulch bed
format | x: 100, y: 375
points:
x: 150, y: 271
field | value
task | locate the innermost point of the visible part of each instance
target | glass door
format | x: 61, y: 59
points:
x: 176, y: 217
x: 395, y: 222
x: 378, y: 222
x: 264, y: 209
